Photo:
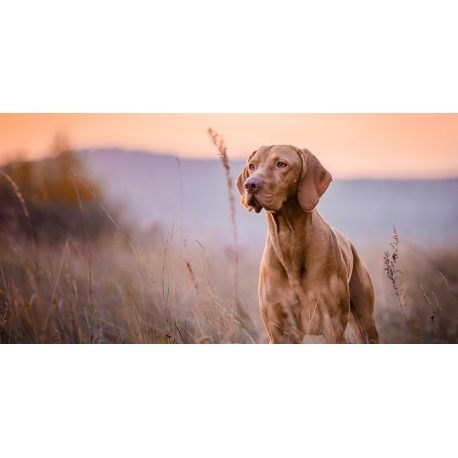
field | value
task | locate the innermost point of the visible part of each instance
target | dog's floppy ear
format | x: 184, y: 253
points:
x: 314, y: 181
x: 241, y: 182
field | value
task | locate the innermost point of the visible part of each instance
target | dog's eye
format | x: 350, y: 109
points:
x: 251, y: 167
x: 281, y: 165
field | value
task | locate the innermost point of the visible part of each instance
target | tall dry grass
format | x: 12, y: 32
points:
x: 220, y: 144
x: 427, y: 306
x: 392, y: 273
x: 59, y: 301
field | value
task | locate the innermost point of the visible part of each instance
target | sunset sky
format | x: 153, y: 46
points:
x: 350, y: 145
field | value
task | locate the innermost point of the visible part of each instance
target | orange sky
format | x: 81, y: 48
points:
x: 349, y: 145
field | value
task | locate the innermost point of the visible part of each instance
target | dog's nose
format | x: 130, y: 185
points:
x: 253, y: 184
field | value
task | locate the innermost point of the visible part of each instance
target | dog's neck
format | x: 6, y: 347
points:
x: 296, y: 237
x: 290, y: 221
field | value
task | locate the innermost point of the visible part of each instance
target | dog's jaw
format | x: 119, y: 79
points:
x: 251, y: 201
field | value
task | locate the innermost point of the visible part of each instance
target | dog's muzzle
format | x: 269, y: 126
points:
x: 252, y: 184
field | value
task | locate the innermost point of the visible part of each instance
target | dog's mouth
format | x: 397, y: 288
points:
x: 251, y: 200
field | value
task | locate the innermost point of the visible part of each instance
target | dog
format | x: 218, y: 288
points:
x: 312, y: 281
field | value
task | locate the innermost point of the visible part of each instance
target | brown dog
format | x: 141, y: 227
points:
x: 312, y: 281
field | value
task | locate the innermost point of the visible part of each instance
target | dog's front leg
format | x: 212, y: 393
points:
x: 334, y: 324
x: 280, y: 324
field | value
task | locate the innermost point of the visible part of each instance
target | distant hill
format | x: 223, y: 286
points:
x: 148, y: 185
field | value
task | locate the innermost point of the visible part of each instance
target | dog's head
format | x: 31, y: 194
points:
x: 279, y: 173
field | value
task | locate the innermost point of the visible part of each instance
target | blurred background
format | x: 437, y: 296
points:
x: 117, y: 227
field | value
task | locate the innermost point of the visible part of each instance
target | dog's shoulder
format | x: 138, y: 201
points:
x: 345, y: 249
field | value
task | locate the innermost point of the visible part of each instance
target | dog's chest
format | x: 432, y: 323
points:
x: 295, y: 275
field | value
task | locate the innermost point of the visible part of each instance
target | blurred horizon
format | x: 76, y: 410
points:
x: 351, y: 146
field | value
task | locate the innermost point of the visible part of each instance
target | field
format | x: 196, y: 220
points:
x: 73, y: 271
x: 166, y: 291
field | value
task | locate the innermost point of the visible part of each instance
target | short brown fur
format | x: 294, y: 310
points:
x: 312, y: 281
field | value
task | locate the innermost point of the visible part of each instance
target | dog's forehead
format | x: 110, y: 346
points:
x: 266, y: 152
